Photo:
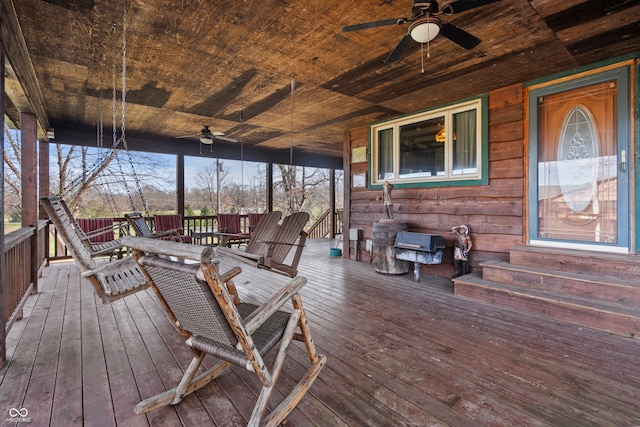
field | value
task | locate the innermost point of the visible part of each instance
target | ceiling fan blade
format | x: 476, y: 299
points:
x: 187, y: 136
x: 400, y: 47
x: 459, y: 36
x: 374, y: 24
x: 463, y: 5
x: 224, y: 138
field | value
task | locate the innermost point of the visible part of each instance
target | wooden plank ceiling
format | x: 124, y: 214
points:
x: 230, y: 65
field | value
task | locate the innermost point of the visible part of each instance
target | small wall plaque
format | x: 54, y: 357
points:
x: 359, y: 154
x: 359, y: 180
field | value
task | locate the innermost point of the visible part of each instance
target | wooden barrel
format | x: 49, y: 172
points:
x: 383, y: 253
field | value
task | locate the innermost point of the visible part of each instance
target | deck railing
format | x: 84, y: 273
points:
x: 197, y: 225
x: 23, y: 257
x: 322, y: 227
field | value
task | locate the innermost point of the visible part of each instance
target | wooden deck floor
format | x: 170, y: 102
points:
x: 399, y: 354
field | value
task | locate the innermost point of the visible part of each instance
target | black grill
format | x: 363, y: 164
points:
x: 420, y: 248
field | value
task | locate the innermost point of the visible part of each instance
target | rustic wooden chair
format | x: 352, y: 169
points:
x: 98, y: 238
x: 254, y: 220
x: 170, y: 223
x: 111, y: 280
x: 212, y: 320
x: 263, y: 232
x: 139, y: 224
x: 230, y: 231
x: 272, y: 248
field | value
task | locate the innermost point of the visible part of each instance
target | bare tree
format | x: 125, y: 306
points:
x: 211, y: 179
x: 255, y: 196
x: 117, y: 177
x: 12, y: 175
x: 297, y: 187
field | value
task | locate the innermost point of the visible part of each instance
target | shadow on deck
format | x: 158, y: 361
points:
x: 399, y: 353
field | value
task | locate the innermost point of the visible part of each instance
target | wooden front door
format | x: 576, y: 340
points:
x: 579, y: 187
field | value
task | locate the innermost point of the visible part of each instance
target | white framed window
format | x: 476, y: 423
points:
x: 444, y: 145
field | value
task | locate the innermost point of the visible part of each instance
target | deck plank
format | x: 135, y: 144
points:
x: 17, y: 374
x: 39, y: 398
x: 399, y: 353
x: 98, y: 409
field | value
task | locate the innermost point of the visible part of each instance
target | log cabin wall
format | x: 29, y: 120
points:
x: 494, y: 212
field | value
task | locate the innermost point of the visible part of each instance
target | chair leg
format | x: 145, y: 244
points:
x: 286, y: 406
x: 278, y: 415
x: 305, y: 335
x: 291, y: 400
x: 188, y: 384
x: 267, y: 389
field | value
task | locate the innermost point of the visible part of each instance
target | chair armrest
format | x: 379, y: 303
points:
x: 260, y: 315
x: 112, y: 265
x: 230, y: 274
x: 104, y: 230
x: 166, y: 233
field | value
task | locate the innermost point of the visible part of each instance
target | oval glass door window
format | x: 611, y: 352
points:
x: 578, y: 159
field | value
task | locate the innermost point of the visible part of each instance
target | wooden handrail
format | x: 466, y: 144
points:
x: 322, y: 226
x: 24, y: 254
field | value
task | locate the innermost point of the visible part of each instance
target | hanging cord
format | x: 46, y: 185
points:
x: 293, y: 104
x: 428, y: 48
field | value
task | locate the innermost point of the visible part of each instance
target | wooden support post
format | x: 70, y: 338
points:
x: 332, y: 203
x: 43, y: 174
x: 28, y: 141
x: 180, y: 184
x: 29, y: 135
x: 269, y: 186
x: 44, y: 184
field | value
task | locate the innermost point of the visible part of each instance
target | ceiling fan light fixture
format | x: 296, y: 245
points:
x: 205, y: 140
x: 425, y: 29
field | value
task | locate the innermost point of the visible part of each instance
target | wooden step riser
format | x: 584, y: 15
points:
x: 597, y: 288
x: 625, y: 267
x: 614, y: 323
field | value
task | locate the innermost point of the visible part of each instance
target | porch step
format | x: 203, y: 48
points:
x: 614, y: 317
x: 618, y: 266
x: 600, y: 288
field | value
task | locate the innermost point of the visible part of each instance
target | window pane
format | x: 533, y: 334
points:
x: 465, y: 159
x: 385, y: 154
x: 421, y: 155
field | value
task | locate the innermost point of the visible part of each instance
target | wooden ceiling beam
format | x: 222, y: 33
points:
x: 21, y: 84
x: 71, y: 134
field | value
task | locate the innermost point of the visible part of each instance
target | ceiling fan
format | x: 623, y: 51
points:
x: 207, y: 137
x: 426, y: 25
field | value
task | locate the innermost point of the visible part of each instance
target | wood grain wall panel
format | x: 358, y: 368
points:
x: 506, y: 150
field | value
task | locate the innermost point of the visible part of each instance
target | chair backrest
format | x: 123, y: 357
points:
x: 190, y: 299
x: 93, y: 224
x: 169, y: 222
x: 264, y: 232
x: 229, y: 223
x: 138, y: 223
x: 287, y: 233
x: 68, y: 231
x: 254, y: 220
